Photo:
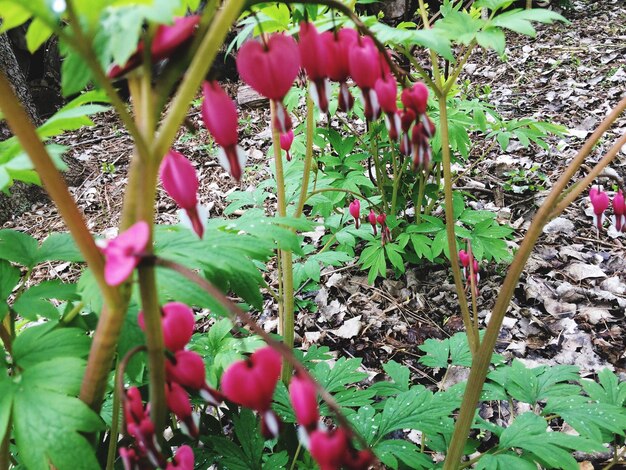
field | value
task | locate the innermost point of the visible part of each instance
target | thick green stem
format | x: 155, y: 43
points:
x: 482, y: 359
x: 420, y: 198
x: 450, y: 224
x: 115, y: 423
x: 308, y: 156
x: 156, y: 348
x: 286, y: 257
x: 196, y: 72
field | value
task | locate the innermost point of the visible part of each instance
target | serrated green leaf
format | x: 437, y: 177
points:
x: 507, y: 461
x: 392, y: 450
x: 34, y: 301
x: 48, y: 426
x: 18, y: 247
x: 588, y: 418
x: 553, y: 449
x: 344, y: 372
x: 44, y: 342
x: 9, y: 277
x: 610, y: 390
x: 434, y: 39
x: 59, y: 247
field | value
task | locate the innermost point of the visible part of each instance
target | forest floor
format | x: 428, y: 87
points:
x: 569, y: 307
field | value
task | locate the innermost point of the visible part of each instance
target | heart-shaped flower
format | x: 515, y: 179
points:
x: 365, y: 69
x: 271, y: 68
x: 355, y: 211
x: 600, y: 202
x: 286, y: 140
x: 187, y: 369
x: 313, y: 54
x: 251, y: 382
x: 219, y: 114
x: 415, y: 98
x: 329, y: 448
x: 303, y: 396
x: 183, y: 460
x: 619, y: 207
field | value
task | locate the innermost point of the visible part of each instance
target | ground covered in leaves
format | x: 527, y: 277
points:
x: 570, y: 305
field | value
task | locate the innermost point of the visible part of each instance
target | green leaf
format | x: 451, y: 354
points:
x: 506, y: 461
x: 519, y: 20
x: 13, y: 14
x: 34, y: 302
x: 536, y: 384
x: 552, y: 449
x: 59, y: 247
x: 48, y: 426
x: 43, y: 342
x: 390, y: 451
x: 609, y: 390
x: 38, y: 33
x: 588, y: 418
x: 434, y: 39
x: 492, y: 4
x: 18, y: 247
x: 75, y: 75
x: 9, y: 277
x: 344, y: 372
x: 459, y: 26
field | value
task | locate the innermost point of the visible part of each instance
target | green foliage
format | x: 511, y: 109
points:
x: 15, y: 164
x: 47, y: 418
x: 551, y: 449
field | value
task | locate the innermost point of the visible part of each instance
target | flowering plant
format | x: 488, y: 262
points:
x: 59, y: 403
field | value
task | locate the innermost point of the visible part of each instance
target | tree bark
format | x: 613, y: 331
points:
x: 10, y: 66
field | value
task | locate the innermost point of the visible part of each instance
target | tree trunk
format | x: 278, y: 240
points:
x: 11, y: 68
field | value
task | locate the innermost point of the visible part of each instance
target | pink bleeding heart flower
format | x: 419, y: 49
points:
x: 167, y: 40
x: 358, y: 460
x: 303, y: 395
x: 271, y: 69
x: 183, y: 460
x: 123, y: 253
x: 385, y: 233
x: 464, y: 258
x: 387, y: 91
x: 407, y: 118
x: 130, y: 459
x: 177, y: 329
x: 600, y: 202
x: 415, y: 98
x: 365, y: 69
x: 355, y: 211
x: 329, y: 448
x: 619, y: 207
x: 178, y: 324
x: 286, y: 140
x: 337, y: 46
x: 251, y: 382
x: 372, y: 220
x: 178, y: 402
x: 219, y: 114
x: 422, y: 153
x: 187, y: 369
x: 140, y: 427
x: 180, y: 181
x: 313, y: 54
